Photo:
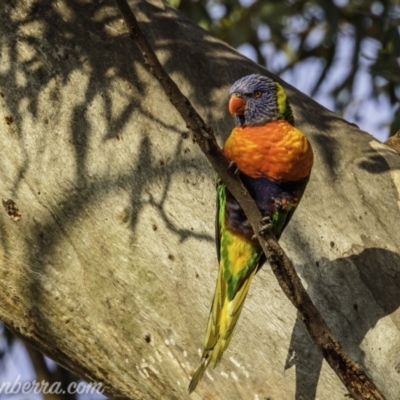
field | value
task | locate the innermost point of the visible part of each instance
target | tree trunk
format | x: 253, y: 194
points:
x: 107, y: 250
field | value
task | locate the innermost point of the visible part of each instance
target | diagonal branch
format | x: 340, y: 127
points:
x: 359, y: 385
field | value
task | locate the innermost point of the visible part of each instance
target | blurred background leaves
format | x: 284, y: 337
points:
x: 344, y: 53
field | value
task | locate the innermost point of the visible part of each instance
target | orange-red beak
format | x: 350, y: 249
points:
x: 236, y: 105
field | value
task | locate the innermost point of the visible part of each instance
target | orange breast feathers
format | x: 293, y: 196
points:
x: 276, y: 150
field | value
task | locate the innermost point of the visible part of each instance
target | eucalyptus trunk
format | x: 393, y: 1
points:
x: 107, y: 255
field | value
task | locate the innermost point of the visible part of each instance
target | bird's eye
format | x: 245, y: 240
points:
x: 257, y: 94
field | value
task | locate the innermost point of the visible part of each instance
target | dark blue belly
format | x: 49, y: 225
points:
x: 270, y: 197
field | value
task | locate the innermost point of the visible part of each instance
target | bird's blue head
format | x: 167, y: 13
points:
x: 257, y: 100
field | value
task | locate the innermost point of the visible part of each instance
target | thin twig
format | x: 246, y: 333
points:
x: 44, y: 374
x: 359, y: 385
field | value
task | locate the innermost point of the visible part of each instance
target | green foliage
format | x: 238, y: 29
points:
x: 297, y: 30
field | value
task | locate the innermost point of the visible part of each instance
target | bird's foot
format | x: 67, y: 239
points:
x: 233, y: 167
x: 265, y: 225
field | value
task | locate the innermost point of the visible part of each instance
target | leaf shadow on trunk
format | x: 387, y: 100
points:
x: 370, y: 291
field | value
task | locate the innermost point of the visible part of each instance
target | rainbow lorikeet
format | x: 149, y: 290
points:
x: 274, y: 160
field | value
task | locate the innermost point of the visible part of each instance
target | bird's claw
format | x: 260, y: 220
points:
x: 265, y: 225
x: 233, y: 166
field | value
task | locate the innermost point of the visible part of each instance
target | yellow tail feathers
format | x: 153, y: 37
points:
x: 222, y: 320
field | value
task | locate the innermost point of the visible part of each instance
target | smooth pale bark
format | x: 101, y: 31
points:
x: 107, y: 247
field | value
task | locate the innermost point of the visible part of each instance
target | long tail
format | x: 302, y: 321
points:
x: 222, y: 320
